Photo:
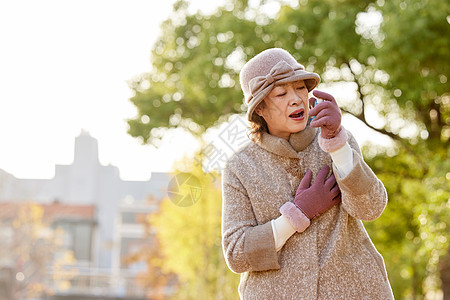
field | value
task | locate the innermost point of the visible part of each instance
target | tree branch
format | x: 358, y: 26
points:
x: 362, y: 115
x: 362, y: 118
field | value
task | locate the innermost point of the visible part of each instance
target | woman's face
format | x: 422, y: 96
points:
x: 285, y: 109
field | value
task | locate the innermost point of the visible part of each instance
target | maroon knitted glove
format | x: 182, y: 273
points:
x: 327, y: 115
x: 316, y: 199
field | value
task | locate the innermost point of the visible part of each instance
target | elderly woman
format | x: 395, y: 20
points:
x: 290, y: 238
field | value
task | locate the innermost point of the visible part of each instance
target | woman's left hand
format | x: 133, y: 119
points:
x: 327, y: 115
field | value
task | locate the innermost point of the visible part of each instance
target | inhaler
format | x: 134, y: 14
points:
x: 315, y: 103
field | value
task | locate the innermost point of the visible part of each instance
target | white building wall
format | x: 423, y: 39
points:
x: 86, y: 182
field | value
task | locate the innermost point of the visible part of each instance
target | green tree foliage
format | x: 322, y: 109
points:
x: 412, y: 234
x: 410, y: 47
x: 190, y: 240
x: 390, y: 58
x: 414, y: 52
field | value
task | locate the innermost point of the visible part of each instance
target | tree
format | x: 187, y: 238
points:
x: 30, y: 246
x: 190, y: 239
x: 197, y: 59
x: 153, y: 280
x: 390, y: 58
x: 410, y: 47
x: 414, y: 35
x: 412, y: 233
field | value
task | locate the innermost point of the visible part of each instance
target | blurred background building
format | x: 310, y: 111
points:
x: 101, y: 219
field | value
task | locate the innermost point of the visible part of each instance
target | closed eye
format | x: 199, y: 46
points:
x: 300, y: 87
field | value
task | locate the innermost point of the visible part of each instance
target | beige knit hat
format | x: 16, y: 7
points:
x: 276, y: 65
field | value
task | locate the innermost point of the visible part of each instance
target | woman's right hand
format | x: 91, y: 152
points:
x: 327, y: 115
x: 313, y: 200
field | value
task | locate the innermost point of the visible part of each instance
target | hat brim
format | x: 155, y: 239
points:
x: 311, y: 81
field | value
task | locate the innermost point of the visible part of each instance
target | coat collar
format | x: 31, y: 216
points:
x: 297, y: 142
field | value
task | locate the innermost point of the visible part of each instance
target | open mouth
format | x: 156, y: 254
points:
x: 297, y: 115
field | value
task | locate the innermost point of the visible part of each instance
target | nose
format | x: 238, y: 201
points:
x: 295, y: 99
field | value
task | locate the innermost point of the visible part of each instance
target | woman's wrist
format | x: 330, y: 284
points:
x: 335, y: 143
x: 296, y: 217
x: 282, y: 231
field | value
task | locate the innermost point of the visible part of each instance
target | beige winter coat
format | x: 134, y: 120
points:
x: 333, y: 258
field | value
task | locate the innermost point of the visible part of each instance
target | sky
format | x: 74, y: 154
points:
x: 64, y: 68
